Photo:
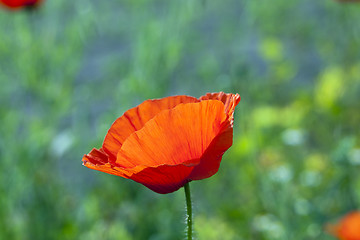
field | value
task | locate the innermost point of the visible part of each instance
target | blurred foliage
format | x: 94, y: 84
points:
x: 72, y: 67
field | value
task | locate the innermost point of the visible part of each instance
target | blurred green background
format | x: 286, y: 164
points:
x: 69, y: 69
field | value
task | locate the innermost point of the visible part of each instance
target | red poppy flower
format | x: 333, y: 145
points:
x: 166, y: 143
x: 348, y: 228
x: 15, y: 4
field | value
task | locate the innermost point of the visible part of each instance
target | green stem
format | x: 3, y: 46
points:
x: 189, y: 211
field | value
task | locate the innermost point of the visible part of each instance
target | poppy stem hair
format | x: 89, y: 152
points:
x: 189, y: 211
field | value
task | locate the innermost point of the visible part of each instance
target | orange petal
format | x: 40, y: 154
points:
x: 96, y: 156
x: 230, y: 102
x: 135, y: 118
x: 210, y: 160
x: 163, y: 179
x: 98, y: 160
x: 176, y: 136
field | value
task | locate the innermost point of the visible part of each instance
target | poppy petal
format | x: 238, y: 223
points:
x: 163, y: 179
x: 135, y: 118
x: 96, y: 156
x: 176, y: 136
x: 210, y: 160
x: 97, y: 160
x: 230, y: 102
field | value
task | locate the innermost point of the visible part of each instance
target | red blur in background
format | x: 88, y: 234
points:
x: 18, y: 4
